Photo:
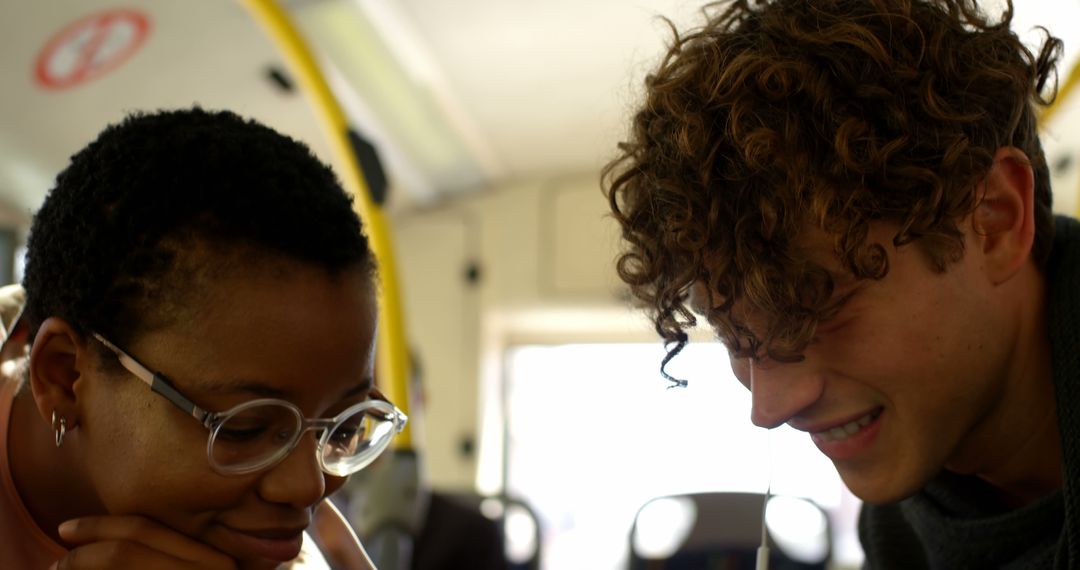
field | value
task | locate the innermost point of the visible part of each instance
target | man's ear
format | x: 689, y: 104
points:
x: 1004, y: 219
x: 56, y: 359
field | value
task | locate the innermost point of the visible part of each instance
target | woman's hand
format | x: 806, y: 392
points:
x: 337, y: 540
x: 134, y: 542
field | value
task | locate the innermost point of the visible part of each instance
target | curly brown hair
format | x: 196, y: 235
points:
x: 775, y: 117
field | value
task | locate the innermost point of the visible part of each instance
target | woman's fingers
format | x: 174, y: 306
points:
x: 120, y: 555
x: 117, y: 541
x: 339, y: 543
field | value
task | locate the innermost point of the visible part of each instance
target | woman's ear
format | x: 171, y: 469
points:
x: 1004, y: 218
x: 57, y: 359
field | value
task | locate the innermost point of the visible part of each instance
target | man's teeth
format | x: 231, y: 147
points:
x: 845, y: 431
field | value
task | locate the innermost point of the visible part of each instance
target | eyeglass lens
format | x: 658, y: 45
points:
x: 356, y: 442
x: 255, y: 437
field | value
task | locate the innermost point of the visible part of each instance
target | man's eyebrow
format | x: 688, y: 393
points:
x: 697, y: 299
x: 845, y: 283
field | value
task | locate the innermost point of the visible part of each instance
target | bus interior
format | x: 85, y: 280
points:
x: 477, y: 130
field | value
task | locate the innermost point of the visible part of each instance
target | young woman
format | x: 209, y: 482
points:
x: 201, y: 303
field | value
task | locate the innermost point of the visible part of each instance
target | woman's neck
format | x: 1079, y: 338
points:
x: 47, y: 478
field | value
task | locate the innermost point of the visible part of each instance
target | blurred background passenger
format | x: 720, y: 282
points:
x: 406, y: 524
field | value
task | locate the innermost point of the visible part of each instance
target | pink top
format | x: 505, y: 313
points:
x: 22, y: 543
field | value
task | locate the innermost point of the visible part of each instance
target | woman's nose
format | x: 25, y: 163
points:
x: 298, y: 480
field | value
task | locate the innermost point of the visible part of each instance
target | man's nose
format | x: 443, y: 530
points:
x: 779, y: 391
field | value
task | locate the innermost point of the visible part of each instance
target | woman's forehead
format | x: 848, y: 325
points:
x: 270, y: 336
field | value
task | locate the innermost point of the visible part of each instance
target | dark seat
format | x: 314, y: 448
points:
x: 723, y: 530
x: 505, y: 514
x: 460, y: 530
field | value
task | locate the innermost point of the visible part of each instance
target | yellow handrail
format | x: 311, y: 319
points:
x: 393, y: 358
x: 1064, y: 90
x: 1063, y: 93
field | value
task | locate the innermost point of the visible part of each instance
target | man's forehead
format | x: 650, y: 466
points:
x: 818, y: 249
x: 813, y: 247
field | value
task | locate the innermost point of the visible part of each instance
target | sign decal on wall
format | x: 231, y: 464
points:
x: 90, y: 47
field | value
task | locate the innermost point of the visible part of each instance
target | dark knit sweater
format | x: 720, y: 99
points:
x: 957, y: 522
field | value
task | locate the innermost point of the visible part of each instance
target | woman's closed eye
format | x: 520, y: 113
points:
x: 252, y: 432
x: 348, y: 431
x: 240, y: 434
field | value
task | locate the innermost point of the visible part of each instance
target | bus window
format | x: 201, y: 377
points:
x: 593, y: 433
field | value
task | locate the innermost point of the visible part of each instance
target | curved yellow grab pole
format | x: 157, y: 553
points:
x: 1063, y: 93
x: 1064, y: 90
x: 393, y: 358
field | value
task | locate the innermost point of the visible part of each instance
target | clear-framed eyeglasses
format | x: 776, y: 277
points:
x: 260, y: 433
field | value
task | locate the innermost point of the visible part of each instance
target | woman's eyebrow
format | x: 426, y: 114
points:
x: 235, y: 386
x: 262, y: 390
x: 365, y: 385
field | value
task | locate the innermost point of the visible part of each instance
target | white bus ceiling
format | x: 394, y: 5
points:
x: 459, y: 96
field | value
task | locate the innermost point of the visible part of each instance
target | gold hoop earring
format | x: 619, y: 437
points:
x: 60, y: 431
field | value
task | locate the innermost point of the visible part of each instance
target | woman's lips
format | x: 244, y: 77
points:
x: 273, y: 544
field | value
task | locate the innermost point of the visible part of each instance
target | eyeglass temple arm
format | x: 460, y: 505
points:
x: 157, y: 382
x: 399, y: 417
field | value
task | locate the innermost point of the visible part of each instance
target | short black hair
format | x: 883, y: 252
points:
x: 107, y: 249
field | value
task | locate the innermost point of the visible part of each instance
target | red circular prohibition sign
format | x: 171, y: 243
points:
x: 90, y: 47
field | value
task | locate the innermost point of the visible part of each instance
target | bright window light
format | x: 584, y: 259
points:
x: 799, y: 528
x: 663, y: 525
x: 594, y: 433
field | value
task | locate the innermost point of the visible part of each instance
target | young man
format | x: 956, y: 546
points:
x: 853, y: 194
